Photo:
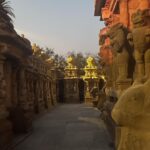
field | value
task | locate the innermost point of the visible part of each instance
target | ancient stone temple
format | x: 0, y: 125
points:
x: 14, y: 53
x: 26, y: 82
x: 126, y: 38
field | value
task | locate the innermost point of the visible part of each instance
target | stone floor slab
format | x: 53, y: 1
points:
x: 68, y: 127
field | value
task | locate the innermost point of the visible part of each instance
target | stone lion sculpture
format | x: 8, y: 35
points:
x: 132, y: 114
x: 119, y: 45
x: 139, y: 38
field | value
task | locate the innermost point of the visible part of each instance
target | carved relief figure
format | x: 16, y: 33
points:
x: 140, y: 40
x: 118, y: 42
x: 131, y: 113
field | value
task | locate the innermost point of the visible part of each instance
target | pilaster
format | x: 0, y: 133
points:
x: 5, y: 125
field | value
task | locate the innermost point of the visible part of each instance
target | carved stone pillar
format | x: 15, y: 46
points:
x: 23, y: 90
x: 141, y: 44
x: 36, y: 96
x: 49, y: 91
x: 122, y: 57
x: 3, y: 112
x: 30, y: 91
x: 45, y: 94
x: 49, y: 102
x: 21, y: 115
x: 32, y: 94
x: 53, y: 90
x: 42, y: 95
x: 5, y: 125
x: 15, y: 86
x: 39, y: 92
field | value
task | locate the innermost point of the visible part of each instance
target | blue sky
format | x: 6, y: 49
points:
x: 65, y: 25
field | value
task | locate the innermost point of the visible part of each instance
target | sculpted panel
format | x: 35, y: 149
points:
x: 121, y: 51
x: 139, y: 38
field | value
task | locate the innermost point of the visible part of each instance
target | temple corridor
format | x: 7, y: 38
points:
x: 68, y: 127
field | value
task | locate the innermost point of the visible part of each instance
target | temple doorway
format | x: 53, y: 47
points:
x: 61, y: 91
x: 81, y: 86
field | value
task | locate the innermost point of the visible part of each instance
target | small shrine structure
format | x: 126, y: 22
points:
x: 71, y: 89
x: 91, y: 78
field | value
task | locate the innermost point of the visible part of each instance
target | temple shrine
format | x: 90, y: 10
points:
x: 90, y: 78
x: 32, y: 82
x: 71, y: 81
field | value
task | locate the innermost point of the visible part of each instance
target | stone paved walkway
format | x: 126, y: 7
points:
x: 68, y: 127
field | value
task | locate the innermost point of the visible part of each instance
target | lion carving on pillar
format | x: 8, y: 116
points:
x: 139, y: 38
x: 119, y: 45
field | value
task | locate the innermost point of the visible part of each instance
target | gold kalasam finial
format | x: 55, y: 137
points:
x: 70, y: 62
x: 90, y: 69
x: 70, y: 59
x: 71, y: 69
x: 90, y: 62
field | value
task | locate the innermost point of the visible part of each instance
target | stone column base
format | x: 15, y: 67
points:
x: 6, y: 133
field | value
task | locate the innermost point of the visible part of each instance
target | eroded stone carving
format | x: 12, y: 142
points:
x: 118, y: 42
x: 139, y: 38
x: 131, y: 113
x: 5, y: 125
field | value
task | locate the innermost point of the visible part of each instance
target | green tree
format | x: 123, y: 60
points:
x: 80, y: 61
x: 5, y: 15
x: 49, y: 51
x: 79, y: 58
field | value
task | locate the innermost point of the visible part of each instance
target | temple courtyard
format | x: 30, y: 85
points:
x: 67, y: 127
